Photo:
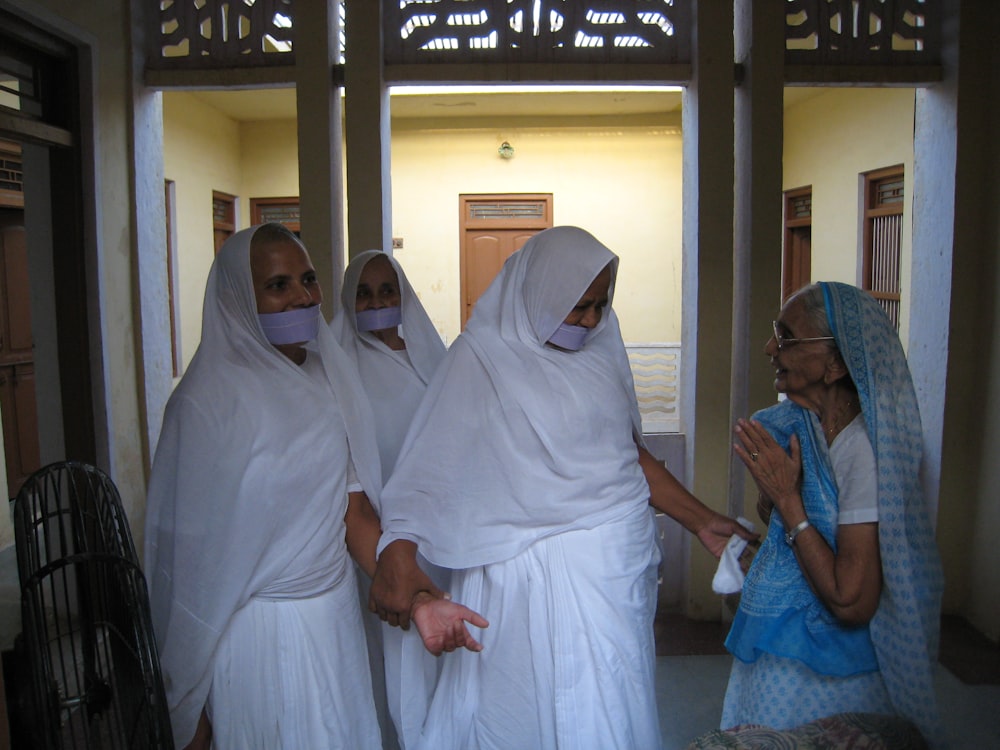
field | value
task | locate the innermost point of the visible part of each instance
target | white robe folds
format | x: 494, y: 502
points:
x: 394, y: 381
x: 520, y: 473
x: 403, y: 671
x: 252, y: 592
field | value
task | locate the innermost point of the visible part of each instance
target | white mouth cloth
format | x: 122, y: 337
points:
x: 728, y: 576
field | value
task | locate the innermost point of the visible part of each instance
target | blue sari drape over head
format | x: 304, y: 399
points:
x: 904, y: 631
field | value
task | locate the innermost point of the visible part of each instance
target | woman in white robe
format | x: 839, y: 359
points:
x: 253, y: 596
x: 397, y: 359
x: 386, y: 331
x: 523, y: 473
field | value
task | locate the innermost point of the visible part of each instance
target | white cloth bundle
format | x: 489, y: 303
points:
x: 729, y: 575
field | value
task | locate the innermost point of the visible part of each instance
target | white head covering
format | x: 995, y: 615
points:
x: 247, y: 492
x: 395, y: 382
x: 517, y: 440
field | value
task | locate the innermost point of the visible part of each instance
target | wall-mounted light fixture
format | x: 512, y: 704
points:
x: 506, y: 151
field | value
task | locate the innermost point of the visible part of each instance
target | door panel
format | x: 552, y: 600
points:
x: 17, y: 373
x: 798, y: 260
x: 20, y: 423
x: 15, y: 317
x: 486, y: 251
x: 492, y: 228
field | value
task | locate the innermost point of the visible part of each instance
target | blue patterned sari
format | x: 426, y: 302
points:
x: 781, y: 628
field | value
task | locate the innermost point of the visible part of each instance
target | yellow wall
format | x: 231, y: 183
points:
x: 621, y: 183
x: 831, y: 138
x: 270, y: 161
x: 201, y: 153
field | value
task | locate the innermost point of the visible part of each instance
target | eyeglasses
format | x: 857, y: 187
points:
x: 784, y: 342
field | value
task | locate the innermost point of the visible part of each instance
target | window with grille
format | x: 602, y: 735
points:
x: 883, y: 237
x: 283, y: 211
x: 796, y: 265
x: 11, y: 175
x: 223, y: 217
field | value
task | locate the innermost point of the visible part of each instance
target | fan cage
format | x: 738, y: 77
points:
x: 87, y: 639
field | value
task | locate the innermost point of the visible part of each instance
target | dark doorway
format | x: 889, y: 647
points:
x: 41, y: 105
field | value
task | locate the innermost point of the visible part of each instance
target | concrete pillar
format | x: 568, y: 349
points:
x: 369, y: 201
x: 321, y: 188
x: 707, y: 335
x: 760, y: 49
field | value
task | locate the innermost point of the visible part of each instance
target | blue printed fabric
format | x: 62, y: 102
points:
x: 778, y: 613
x: 904, y: 631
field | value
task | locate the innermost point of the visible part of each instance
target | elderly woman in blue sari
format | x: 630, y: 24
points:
x: 839, y: 610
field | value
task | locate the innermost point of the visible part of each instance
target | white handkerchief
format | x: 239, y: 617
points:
x: 728, y: 576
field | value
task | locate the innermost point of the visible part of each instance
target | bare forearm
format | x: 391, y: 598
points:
x: 363, y: 531
x: 669, y: 496
x: 848, y: 582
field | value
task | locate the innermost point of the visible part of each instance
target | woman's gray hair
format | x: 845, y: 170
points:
x: 814, y: 305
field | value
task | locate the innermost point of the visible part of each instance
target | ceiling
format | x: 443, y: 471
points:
x: 464, y: 101
x: 426, y: 102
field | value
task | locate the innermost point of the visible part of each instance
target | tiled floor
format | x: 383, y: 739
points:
x: 689, y: 693
x: 691, y: 682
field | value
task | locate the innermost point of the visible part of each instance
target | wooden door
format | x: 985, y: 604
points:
x: 223, y: 218
x: 798, y: 261
x: 17, y: 369
x: 796, y: 269
x: 494, y: 227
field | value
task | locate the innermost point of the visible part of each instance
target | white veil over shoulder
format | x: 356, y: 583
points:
x: 395, y: 382
x: 517, y: 440
x: 248, y: 489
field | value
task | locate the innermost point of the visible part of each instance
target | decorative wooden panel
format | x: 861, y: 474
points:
x: 221, y: 33
x: 537, y: 31
x: 862, y: 32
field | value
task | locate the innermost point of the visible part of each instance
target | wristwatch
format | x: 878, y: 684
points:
x: 794, y: 532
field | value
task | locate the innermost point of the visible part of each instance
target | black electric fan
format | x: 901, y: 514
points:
x: 92, y: 673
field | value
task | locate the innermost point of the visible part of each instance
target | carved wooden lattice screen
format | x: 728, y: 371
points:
x: 256, y: 33
x: 863, y: 32
x: 534, y: 31
x: 220, y: 33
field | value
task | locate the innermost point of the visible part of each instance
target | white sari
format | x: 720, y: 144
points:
x: 251, y: 588
x: 403, y: 672
x: 520, y: 473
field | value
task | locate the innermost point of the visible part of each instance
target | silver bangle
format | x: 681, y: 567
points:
x: 792, y: 533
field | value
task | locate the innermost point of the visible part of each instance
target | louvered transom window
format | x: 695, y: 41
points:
x: 280, y: 214
x: 883, y: 237
x: 800, y: 206
x: 507, y: 210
